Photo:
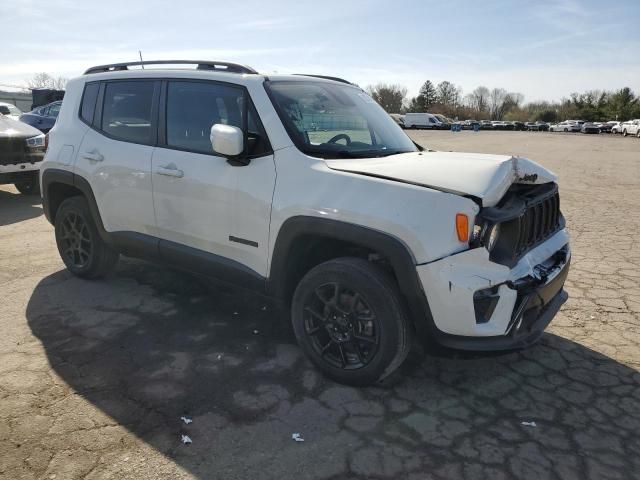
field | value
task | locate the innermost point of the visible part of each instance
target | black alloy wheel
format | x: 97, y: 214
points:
x: 82, y: 249
x: 341, y: 325
x: 75, y: 239
x: 350, y: 320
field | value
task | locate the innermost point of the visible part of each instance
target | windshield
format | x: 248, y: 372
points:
x: 336, y: 121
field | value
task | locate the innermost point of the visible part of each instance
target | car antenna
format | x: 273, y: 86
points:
x: 141, y: 61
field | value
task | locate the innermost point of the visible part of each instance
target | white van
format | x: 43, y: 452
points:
x: 421, y: 120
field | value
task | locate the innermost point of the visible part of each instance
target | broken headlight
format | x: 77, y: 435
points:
x: 491, y: 237
x: 485, y: 235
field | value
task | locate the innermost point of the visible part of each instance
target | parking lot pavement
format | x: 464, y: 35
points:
x: 94, y: 376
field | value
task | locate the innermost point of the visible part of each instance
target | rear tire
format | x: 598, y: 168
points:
x: 31, y: 186
x: 349, y: 320
x: 81, y: 248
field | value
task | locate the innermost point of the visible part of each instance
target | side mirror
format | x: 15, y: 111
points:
x: 227, y: 140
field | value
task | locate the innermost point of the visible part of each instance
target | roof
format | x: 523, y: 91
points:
x: 214, y: 67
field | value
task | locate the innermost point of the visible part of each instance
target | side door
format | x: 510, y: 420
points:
x: 115, y: 153
x: 212, y: 213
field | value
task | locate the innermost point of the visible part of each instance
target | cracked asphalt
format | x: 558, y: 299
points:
x: 94, y: 376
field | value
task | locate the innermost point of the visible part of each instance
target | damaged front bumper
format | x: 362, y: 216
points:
x: 477, y: 304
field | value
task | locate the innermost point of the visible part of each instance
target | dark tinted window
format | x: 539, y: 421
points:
x: 126, y: 113
x: 89, y: 102
x: 194, y: 107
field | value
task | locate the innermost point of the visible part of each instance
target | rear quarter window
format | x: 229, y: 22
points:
x: 89, y: 97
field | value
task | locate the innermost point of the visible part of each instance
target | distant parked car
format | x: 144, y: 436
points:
x: 445, y: 122
x: 10, y: 110
x: 22, y: 149
x: 486, y: 125
x: 605, y: 127
x: 520, y: 126
x: 566, y: 126
x: 543, y: 126
x: 589, y: 127
x: 578, y: 122
x: 399, y: 119
x: 470, y: 124
x: 421, y: 120
x: 616, y: 127
x: 509, y: 126
x: 632, y: 127
x: 43, y: 118
x: 532, y: 126
x: 499, y: 125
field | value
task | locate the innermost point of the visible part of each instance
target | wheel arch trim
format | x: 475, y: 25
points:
x: 53, y: 176
x: 400, y: 257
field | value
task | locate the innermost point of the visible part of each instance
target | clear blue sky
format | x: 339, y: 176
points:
x: 544, y: 49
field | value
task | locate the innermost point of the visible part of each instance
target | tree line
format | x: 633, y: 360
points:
x: 499, y: 104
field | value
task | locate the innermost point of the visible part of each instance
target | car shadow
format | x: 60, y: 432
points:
x: 148, y: 345
x: 15, y: 207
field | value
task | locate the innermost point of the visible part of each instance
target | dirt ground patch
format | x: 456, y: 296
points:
x: 94, y: 376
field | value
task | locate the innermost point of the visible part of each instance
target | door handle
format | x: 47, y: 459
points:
x: 93, y: 156
x: 170, y: 171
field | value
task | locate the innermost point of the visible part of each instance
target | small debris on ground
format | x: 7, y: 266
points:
x: 297, y: 437
x: 529, y: 424
x: 186, y: 439
x: 219, y: 357
x: 255, y: 332
x: 264, y: 308
x: 186, y: 420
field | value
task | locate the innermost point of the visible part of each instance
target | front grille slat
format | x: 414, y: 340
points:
x: 538, y: 222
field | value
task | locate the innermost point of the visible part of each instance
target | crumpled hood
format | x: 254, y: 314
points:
x: 486, y: 177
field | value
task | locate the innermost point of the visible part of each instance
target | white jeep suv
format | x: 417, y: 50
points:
x: 303, y: 188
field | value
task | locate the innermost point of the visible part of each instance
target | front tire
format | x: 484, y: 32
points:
x: 624, y: 133
x: 349, y: 320
x: 31, y: 186
x: 81, y: 248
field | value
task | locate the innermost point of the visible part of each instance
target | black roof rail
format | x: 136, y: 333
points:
x: 201, y: 65
x: 326, y: 77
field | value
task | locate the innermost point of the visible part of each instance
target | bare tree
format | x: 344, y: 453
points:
x: 501, y: 102
x: 44, y: 80
x: 478, y: 100
x: 390, y: 97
